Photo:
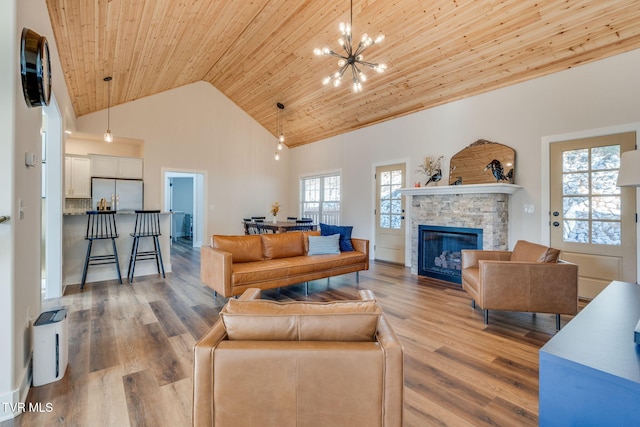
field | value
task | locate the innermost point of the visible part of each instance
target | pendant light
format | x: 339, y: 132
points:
x: 279, y: 130
x: 108, y: 136
x: 280, y: 125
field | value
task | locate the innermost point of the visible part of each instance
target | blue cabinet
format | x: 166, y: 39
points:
x: 590, y: 370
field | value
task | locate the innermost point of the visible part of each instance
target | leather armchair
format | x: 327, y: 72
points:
x: 529, y: 278
x: 299, y: 363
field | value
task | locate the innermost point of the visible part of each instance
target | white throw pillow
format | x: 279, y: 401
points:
x: 320, y: 245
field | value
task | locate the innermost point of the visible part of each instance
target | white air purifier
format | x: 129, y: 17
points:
x: 50, y: 347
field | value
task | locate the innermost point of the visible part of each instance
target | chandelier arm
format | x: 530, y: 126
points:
x: 347, y: 45
x: 354, y: 74
x: 369, y: 64
x: 361, y: 48
x: 343, y: 69
x: 337, y: 55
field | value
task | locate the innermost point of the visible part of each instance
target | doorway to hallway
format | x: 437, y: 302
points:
x: 184, y: 196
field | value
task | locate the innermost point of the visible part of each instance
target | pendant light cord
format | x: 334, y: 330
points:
x: 351, y: 16
x: 109, y: 105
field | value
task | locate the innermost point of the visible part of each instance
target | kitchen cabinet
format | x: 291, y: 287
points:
x: 77, y: 173
x: 116, y: 167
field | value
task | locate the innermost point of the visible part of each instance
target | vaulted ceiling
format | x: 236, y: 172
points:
x: 260, y: 52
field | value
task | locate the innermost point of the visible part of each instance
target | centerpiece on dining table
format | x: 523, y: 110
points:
x: 275, y: 208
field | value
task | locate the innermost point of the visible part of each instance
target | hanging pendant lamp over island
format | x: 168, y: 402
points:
x: 108, y: 136
x: 354, y: 59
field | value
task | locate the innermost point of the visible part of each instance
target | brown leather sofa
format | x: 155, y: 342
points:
x: 267, y: 363
x: 233, y: 264
x: 529, y: 278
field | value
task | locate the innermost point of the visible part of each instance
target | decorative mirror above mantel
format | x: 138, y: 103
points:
x: 483, y: 162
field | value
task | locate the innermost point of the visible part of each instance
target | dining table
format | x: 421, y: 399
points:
x: 284, y: 226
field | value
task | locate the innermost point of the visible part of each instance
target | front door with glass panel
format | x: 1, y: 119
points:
x: 390, y: 213
x: 592, y: 220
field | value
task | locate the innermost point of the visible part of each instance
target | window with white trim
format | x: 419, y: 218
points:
x: 320, y: 198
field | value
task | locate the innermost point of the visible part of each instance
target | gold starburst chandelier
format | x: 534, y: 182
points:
x: 353, y: 58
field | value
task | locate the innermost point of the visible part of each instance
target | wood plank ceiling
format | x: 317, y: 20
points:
x: 260, y: 52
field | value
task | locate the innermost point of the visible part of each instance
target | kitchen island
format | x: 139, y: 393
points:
x: 75, y: 249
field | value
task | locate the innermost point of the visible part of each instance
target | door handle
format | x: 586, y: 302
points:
x: 402, y: 217
x: 556, y: 213
x: 556, y: 223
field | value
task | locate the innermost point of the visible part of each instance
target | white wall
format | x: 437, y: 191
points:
x: 196, y: 127
x: 599, y: 94
x: 20, y: 238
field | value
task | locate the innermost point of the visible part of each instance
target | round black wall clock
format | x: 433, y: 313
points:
x: 35, y: 67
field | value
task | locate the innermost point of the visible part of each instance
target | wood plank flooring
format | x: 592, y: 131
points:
x: 130, y: 349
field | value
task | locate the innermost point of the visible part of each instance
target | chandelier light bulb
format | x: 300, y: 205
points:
x: 380, y: 38
x: 108, y: 136
x: 277, y: 156
x: 317, y: 51
x: 342, y: 62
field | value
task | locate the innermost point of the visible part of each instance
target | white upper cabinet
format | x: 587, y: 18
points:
x: 116, y: 167
x: 77, y: 172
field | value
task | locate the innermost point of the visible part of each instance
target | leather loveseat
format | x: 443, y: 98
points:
x: 529, y: 278
x: 233, y: 264
x: 281, y: 364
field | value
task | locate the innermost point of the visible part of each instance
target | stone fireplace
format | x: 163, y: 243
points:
x: 482, y: 207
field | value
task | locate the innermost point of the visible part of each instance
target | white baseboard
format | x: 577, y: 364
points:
x: 12, y: 403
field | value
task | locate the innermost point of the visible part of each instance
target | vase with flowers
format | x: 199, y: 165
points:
x: 431, y: 167
x: 275, y: 208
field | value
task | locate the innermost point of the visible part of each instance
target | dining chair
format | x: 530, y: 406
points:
x: 263, y: 229
x: 249, y: 226
x: 304, y: 224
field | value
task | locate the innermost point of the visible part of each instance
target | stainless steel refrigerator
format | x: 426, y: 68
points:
x: 129, y: 193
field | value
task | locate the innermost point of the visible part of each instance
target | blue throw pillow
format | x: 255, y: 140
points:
x: 345, y: 235
x: 320, y: 245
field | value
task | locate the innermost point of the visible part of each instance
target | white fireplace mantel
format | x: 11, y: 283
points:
x: 462, y: 189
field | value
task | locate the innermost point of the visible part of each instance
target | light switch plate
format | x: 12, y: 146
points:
x: 30, y: 159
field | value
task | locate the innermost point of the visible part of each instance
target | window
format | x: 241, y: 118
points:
x: 320, y: 198
x: 591, y: 199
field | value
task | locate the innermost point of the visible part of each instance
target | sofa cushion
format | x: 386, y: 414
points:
x: 282, y: 245
x: 532, y: 252
x: 320, y: 245
x: 343, y: 230
x: 305, y: 236
x: 300, y: 321
x: 242, y: 248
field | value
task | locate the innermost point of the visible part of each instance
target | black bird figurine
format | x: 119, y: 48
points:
x: 510, y: 176
x: 496, y: 170
x: 435, y: 177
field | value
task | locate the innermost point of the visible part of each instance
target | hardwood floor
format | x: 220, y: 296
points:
x: 130, y: 349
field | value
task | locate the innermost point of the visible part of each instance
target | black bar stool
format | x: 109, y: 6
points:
x: 101, y: 225
x: 147, y: 225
